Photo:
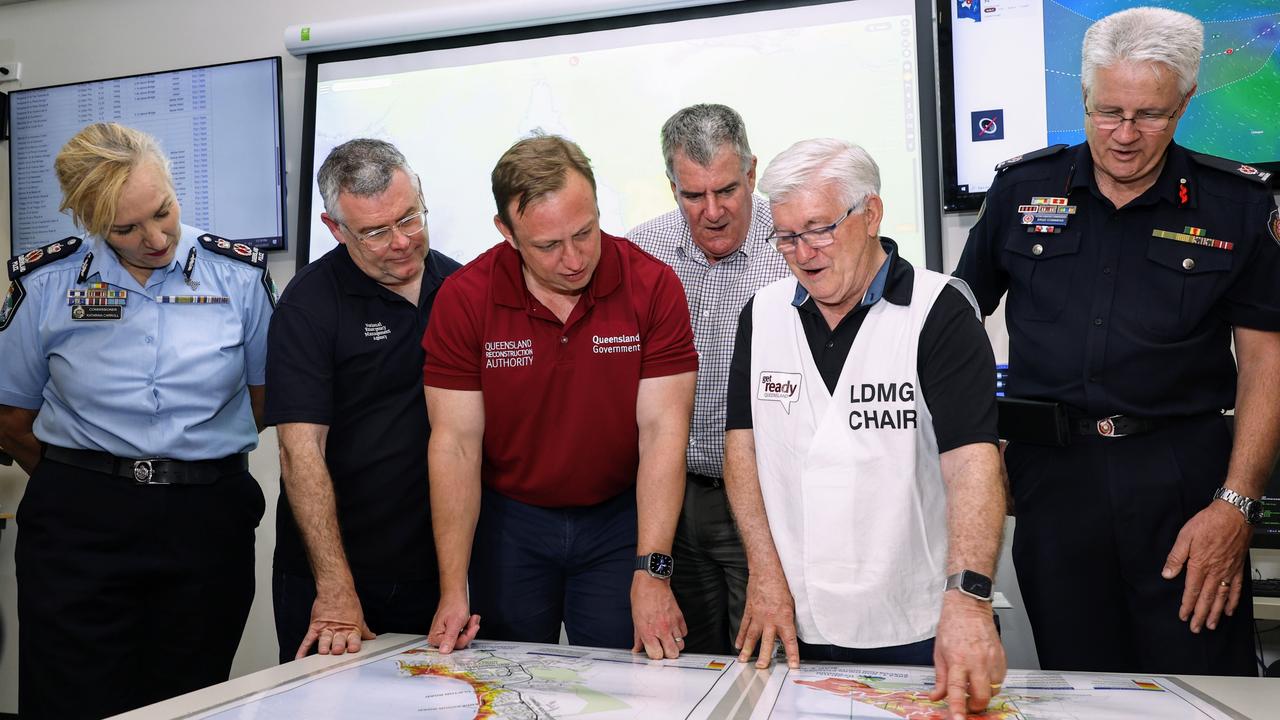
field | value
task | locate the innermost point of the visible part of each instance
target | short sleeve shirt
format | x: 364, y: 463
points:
x: 346, y: 353
x: 1127, y: 310
x: 159, y: 369
x: 716, y: 293
x: 954, y: 360
x: 559, y: 398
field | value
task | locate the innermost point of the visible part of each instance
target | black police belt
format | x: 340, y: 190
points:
x: 1050, y: 423
x: 704, y: 480
x: 150, y: 471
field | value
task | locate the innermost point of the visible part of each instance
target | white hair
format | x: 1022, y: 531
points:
x: 809, y: 164
x: 1163, y: 37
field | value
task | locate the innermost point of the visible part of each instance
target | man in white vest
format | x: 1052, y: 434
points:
x: 860, y: 455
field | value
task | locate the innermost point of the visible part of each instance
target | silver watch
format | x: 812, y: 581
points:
x: 1250, y: 508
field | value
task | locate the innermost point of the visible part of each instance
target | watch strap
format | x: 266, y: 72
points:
x: 1240, y: 502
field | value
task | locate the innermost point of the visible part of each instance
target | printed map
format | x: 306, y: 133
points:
x: 499, y: 680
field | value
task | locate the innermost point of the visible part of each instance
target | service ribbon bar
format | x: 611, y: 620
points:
x: 1187, y: 237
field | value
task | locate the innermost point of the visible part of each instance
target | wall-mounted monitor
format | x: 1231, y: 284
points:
x: 1010, y: 83
x: 861, y: 71
x: 219, y: 124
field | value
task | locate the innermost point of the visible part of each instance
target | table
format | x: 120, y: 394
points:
x: 1250, y: 698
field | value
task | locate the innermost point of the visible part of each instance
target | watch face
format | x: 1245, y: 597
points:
x: 660, y: 565
x: 975, y: 584
x: 1253, y: 512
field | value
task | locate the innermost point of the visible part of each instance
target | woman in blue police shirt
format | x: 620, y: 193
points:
x: 130, y: 386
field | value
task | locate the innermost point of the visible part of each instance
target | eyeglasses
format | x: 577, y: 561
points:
x: 378, y: 238
x: 1142, y: 122
x: 815, y: 238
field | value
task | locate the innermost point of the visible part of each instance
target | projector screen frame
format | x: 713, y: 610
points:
x: 926, y: 108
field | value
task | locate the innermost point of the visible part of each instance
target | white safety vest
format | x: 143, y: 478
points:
x: 852, y: 483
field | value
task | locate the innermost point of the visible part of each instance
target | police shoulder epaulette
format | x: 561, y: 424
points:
x: 235, y: 250
x: 1026, y: 157
x: 20, y: 265
x: 1248, y: 172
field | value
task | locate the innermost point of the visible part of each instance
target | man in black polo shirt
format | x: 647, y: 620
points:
x: 354, y: 550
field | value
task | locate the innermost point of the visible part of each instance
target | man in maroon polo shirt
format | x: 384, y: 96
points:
x: 559, y: 380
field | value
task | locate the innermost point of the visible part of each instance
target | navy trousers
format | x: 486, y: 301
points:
x: 533, y: 568
x: 1095, y: 522
x: 128, y: 594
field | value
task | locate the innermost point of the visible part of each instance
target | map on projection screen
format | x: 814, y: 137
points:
x: 548, y: 682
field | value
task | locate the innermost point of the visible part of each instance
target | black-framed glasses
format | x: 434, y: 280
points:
x: 379, y: 238
x: 1142, y: 122
x: 819, y: 237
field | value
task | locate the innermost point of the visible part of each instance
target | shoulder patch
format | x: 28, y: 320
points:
x: 1247, y: 172
x: 235, y: 250
x: 20, y: 265
x: 1026, y: 157
x: 12, y: 300
x: 1273, y: 224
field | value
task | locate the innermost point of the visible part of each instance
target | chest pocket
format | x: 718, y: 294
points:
x: 1041, y: 267
x: 1183, y: 282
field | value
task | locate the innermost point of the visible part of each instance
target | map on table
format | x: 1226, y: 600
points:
x: 498, y: 680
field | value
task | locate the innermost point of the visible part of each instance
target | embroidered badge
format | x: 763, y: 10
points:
x: 1274, y: 224
x: 12, y: 299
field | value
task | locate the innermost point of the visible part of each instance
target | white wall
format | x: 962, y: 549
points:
x: 61, y: 41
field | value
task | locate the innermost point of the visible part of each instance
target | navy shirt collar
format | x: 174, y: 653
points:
x: 1168, y: 187
x: 355, y: 282
x: 893, y: 282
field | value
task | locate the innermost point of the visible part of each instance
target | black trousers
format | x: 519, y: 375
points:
x: 128, y: 594
x: 1095, y: 522
x: 389, y: 606
x: 710, y: 580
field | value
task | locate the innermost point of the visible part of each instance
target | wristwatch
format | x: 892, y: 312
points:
x: 1250, y: 508
x: 656, y: 564
x: 974, y: 584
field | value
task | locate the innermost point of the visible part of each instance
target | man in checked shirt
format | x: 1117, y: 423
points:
x: 715, y: 242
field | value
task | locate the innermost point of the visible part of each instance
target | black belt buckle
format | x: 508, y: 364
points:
x: 146, y: 473
x: 1107, y: 427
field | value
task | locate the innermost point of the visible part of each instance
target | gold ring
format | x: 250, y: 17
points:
x: 1224, y: 584
x: 995, y: 686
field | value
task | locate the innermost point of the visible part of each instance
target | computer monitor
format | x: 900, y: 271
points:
x: 1266, y: 534
x: 215, y: 121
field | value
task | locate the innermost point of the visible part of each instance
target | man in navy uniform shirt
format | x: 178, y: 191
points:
x: 354, y: 549
x: 1131, y: 265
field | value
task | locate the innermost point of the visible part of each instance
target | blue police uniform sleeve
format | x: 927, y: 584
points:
x: 257, y: 320
x: 25, y: 369
x: 980, y: 264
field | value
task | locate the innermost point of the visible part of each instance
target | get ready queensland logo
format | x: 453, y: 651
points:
x: 782, y: 387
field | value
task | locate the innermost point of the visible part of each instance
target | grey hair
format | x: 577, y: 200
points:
x: 809, y: 164
x: 362, y: 167
x: 699, y: 131
x: 1167, y: 38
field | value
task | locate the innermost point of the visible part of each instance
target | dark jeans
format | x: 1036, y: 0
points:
x: 533, y: 568
x: 1096, y: 521
x: 710, y: 580
x: 917, y: 653
x: 389, y: 606
x: 128, y: 594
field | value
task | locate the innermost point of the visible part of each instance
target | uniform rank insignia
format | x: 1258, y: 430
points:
x: 1194, y: 236
x: 244, y: 253
x: 1248, y: 172
x: 1019, y: 159
x: 22, y: 264
x: 1046, y: 214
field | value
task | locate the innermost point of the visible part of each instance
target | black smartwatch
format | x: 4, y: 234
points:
x: 974, y: 584
x: 1250, y: 508
x: 656, y: 564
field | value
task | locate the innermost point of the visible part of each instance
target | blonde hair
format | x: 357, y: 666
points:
x: 93, y: 167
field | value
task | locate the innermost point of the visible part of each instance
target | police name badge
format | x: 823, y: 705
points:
x: 97, y: 312
x: 781, y: 387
